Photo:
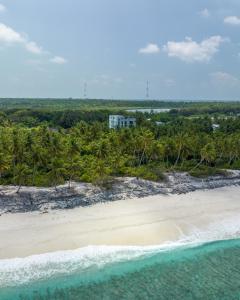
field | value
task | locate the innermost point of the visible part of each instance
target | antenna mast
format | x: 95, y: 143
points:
x: 85, y: 90
x: 147, y: 90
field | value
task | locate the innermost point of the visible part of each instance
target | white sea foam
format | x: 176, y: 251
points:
x: 38, y: 267
x: 228, y: 228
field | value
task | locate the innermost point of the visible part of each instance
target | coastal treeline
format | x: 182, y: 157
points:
x: 90, y: 152
x: 55, y: 104
x: 85, y: 104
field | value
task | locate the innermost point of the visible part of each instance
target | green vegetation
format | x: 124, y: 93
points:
x: 47, y: 147
x: 83, y: 104
x: 186, y: 107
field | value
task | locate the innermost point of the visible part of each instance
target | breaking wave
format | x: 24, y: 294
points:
x: 87, y: 260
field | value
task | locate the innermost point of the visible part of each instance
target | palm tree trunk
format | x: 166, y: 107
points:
x: 141, y: 159
x: 178, y: 157
x: 201, y: 161
x: 19, y: 187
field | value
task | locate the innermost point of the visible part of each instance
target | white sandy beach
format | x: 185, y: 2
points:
x: 146, y: 221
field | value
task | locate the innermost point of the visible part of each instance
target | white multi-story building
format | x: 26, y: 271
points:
x: 118, y: 121
x: 215, y: 127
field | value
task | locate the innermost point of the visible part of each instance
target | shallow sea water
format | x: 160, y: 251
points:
x: 207, y: 271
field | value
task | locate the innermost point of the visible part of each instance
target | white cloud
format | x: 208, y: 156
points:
x: 9, y: 36
x: 205, y: 13
x: 232, y: 20
x: 58, y: 60
x: 2, y: 8
x: 150, y: 49
x: 191, y: 51
x: 34, y: 48
x: 220, y: 78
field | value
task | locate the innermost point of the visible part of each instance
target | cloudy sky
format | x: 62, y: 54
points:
x: 186, y: 49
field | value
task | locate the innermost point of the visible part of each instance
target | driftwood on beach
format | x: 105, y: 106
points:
x: 84, y: 194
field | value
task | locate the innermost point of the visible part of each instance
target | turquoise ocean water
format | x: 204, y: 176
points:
x: 204, y: 271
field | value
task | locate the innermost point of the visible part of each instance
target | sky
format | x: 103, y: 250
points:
x: 187, y: 50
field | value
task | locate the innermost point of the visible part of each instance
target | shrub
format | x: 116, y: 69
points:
x: 205, y: 171
x: 105, y: 183
x: 152, y: 173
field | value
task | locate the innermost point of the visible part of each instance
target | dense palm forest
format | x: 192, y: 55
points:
x: 50, y: 147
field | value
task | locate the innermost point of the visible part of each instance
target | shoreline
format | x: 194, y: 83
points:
x: 31, y: 199
x: 154, y: 220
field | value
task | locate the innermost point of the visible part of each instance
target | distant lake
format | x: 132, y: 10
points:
x: 149, y: 110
